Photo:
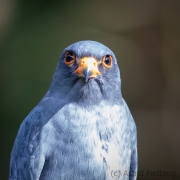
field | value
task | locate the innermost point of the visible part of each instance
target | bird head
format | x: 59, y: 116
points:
x: 87, y: 69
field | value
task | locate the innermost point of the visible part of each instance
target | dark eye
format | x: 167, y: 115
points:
x: 69, y: 58
x: 107, y: 61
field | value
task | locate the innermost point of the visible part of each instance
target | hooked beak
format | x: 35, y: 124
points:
x: 88, y: 68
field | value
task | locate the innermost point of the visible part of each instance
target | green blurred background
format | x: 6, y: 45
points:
x: 144, y: 35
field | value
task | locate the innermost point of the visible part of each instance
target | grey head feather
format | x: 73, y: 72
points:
x: 107, y: 85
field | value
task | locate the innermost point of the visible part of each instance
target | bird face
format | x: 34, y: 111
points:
x: 87, y: 67
x: 89, y: 60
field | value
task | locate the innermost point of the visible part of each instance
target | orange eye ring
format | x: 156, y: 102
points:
x: 69, y: 58
x: 107, y: 61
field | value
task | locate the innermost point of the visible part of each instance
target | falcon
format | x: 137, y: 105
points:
x: 82, y: 129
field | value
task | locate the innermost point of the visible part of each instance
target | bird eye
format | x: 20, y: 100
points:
x: 69, y: 58
x: 107, y: 61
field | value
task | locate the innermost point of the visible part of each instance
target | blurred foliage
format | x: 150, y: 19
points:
x: 144, y: 35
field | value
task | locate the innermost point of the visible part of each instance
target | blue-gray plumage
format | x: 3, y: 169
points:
x: 82, y: 129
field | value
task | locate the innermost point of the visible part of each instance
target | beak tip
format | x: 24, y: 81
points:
x: 87, y: 75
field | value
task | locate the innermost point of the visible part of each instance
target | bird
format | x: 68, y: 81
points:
x: 82, y: 129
